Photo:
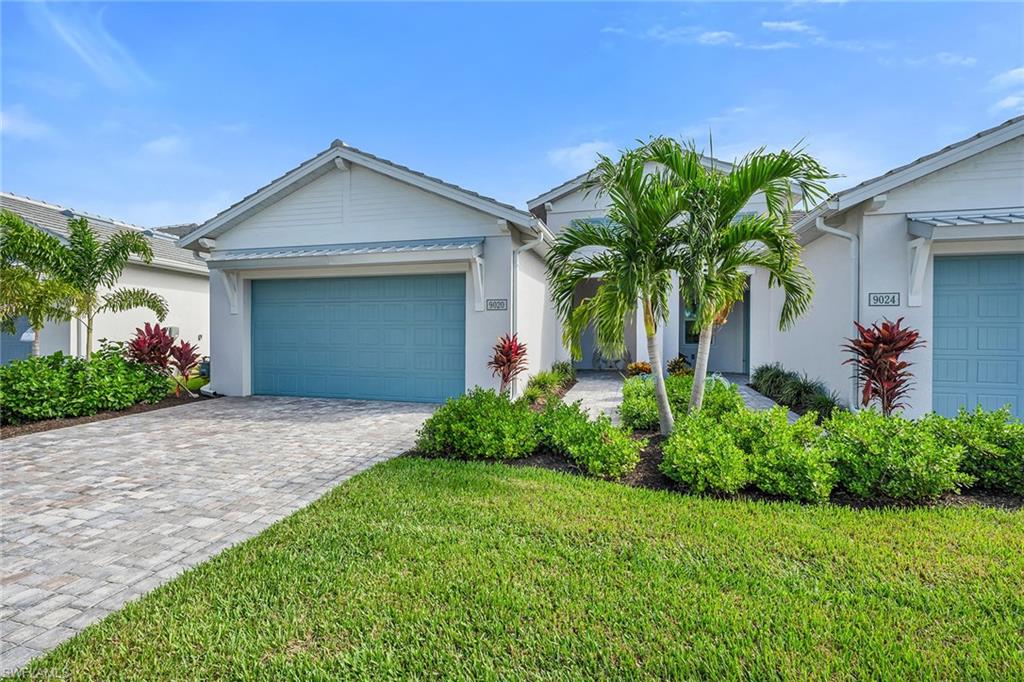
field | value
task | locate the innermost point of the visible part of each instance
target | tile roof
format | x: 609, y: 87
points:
x: 54, y: 219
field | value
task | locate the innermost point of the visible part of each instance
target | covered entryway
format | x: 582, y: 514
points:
x: 978, y: 333
x: 380, y: 338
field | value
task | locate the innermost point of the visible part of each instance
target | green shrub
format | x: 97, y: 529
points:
x: 679, y: 366
x: 547, y: 382
x: 565, y: 370
x: 640, y: 411
x: 878, y: 456
x: 783, y: 458
x: 799, y: 391
x: 769, y: 380
x: 480, y: 425
x: 701, y: 455
x: 823, y: 404
x: 598, y: 447
x: 532, y: 394
x: 993, y: 444
x: 59, y: 385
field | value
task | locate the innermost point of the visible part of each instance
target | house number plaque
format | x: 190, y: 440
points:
x: 884, y: 299
x: 497, y: 304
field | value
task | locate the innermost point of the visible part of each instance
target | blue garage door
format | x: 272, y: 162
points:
x: 380, y: 338
x: 979, y: 333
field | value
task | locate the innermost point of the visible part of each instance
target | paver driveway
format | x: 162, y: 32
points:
x: 95, y: 515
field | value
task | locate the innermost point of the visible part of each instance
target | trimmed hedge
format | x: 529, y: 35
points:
x: 598, y: 447
x: 640, y: 411
x: 993, y: 446
x: 58, y: 385
x: 480, y: 424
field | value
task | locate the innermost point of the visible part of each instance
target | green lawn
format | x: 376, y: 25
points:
x: 443, y: 569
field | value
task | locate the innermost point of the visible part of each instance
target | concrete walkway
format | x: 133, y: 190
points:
x: 598, y: 392
x: 99, y: 514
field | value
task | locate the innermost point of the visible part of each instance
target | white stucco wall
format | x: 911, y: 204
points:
x: 188, y: 305
x: 359, y: 205
x: 991, y: 179
x: 537, y: 322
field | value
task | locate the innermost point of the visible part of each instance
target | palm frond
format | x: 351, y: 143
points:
x: 120, y: 300
x: 115, y: 253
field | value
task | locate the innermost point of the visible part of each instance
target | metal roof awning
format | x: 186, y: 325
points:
x: 1000, y: 223
x: 411, y: 250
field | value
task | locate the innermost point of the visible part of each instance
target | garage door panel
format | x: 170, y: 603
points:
x: 391, y: 338
x: 979, y: 333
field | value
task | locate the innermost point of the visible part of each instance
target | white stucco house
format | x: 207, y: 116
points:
x: 939, y: 242
x: 351, y: 276
x: 177, y: 274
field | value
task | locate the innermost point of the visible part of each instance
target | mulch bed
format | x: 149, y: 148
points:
x: 14, y: 430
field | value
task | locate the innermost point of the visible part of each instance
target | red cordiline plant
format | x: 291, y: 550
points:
x: 509, y: 360
x: 184, y: 358
x: 877, y: 352
x: 151, y: 346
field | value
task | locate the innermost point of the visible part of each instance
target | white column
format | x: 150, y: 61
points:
x: 670, y: 347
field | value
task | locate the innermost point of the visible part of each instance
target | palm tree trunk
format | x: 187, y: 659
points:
x: 665, y: 420
x: 88, y: 337
x: 35, y: 342
x: 700, y: 370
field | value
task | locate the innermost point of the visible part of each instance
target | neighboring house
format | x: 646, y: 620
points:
x: 175, y: 273
x: 730, y: 349
x: 939, y: 242
x: 353, y: 277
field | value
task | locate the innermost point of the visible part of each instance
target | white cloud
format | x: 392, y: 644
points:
x: 83, y: 31
x: 940, y: 58
x: 618, y: 30
x: 579, y: 158
x: 789, y: 26
x: 851, y: 45
x: 671, y: 36
x: 165, y: 145
x: 1009, y: 79
x: 17, y: 123
x: 718, y: 38
x: 1011, y: 103
x: 951, y: 59
x: 779, y: 45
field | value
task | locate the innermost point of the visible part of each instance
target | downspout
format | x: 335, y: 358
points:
x: 854, y: 291
x: 514, y: 294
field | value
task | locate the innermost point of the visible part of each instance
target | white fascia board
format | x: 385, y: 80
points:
x: 401, y: 258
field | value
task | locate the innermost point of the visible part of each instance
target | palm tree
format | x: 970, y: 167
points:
x: 86, y: 263
x: 39, y: 299
x: 718, y: 244
x: 633, y: 255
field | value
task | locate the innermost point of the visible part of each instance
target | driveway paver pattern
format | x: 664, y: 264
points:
x: 95, y: 515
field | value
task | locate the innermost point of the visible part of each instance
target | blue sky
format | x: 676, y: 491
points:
x: 162, y: 113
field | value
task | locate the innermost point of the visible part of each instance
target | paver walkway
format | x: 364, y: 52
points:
x: 95, y: 515
x: 599, y: 393
x: 753, y: 399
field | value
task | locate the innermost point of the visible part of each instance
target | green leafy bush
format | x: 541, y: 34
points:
x: 480, y: 424
x: 598, y: 447
x: 59, y: 385
x: 701, y: 455
x: 640, y: 411
x: 547, y: 382
x: 532, y: 394
x: 565, y: 370
x: 798, y: 392
x: 993, y: 444
x: 878, y: 456
x: 783, y: 458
